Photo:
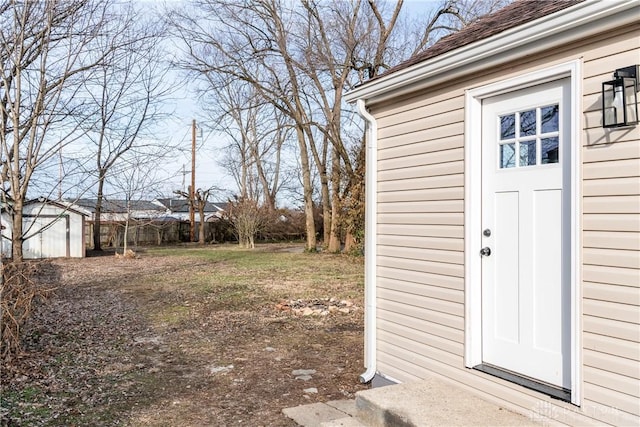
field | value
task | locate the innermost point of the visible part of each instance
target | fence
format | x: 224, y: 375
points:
x: 154, y: 233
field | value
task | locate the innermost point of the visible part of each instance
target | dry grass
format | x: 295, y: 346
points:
x: 139, y: 341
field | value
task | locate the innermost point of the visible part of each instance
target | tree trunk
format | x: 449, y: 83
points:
x: 126, y: 236
x: 334, y: 239
x: 137, y: 242
x: 201, y: 229
x: 16, y: 231
x: 326, y: 207
x: 353, y: 204
x: 97, y: 245
x: 307, y: 192
x: 349, y: 243
x: 201, y: 233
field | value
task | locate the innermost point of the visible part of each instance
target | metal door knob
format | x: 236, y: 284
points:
x: 486, y: 251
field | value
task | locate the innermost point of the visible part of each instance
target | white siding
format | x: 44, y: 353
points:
x: 51, y: 232
x: 420, y: 263
x: 611, y: 236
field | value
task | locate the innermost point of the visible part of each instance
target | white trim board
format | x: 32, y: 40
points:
x: 473, y: 205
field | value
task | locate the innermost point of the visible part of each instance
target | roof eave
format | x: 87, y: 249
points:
x: 562, y: 27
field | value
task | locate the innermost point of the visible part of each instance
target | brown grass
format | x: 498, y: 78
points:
x: 140, y: 341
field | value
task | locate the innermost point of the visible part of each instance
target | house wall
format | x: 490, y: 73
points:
x: 5, y: 240
x: 51, y: 242
x: 420, y: 241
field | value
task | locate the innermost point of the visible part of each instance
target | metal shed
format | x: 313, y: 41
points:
x: 52, y: 230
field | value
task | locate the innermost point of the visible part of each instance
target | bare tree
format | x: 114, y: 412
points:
x: 301, y: 57
x: 202, y: 198
x: 125, y: 92
x: 249, y: 41
x: 258, y: 134
x: 344, y: 40
x: 198, y: 203
x: 135, y: 180
x: 248, y: 218
x: 44, y: 51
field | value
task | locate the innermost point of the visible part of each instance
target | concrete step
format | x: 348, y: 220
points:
x: 431, y: 402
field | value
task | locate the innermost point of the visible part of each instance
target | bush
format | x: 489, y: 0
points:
x: 20, y: 290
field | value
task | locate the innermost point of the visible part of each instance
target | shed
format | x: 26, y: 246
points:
x: 503, y: 220
x: 52, y: 230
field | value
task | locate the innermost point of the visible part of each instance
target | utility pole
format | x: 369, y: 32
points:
x: 60, y: 176
x: 192, y: 188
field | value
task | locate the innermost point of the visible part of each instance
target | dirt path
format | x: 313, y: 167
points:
x: 189, y: 341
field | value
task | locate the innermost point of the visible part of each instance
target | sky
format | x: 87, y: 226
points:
x: 184, y: 107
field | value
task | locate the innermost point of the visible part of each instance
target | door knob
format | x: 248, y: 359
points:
x: 486, y: 251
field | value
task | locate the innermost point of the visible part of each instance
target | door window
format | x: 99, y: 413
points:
x: 529, y: 138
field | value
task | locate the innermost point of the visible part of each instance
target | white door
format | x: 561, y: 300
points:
x: 526, y: 233
x: 48, y: 237
x: 54, y: 237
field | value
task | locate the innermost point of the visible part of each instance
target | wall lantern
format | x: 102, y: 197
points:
x: 620, y: 99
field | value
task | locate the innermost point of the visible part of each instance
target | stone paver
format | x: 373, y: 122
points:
x: 348, y: 406
x: 343, y: 422
x: 315, y: 414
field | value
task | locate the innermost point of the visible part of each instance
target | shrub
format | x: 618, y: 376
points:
x: 20, y: 290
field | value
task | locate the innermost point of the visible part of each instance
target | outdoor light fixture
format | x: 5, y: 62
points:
x: 620, y: 98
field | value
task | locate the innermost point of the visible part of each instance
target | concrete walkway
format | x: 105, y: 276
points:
x: 430, y: 402
x: 330, y: 414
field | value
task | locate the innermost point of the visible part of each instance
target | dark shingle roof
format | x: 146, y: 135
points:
x: 117, y: 206
x: 120, y: 206
x: 517, y: 13
x: 182, y: 205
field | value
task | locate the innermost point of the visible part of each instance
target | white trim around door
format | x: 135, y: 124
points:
x: 473, y: 208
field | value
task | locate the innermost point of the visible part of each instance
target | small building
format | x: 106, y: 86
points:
x: 503, y: 218
x: 179, y: 209
x: 51, y: 229
x: 119, y: 210
x: 158, y: 221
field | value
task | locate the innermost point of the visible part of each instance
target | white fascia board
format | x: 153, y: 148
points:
x: 76, y: 208
x: 562, y: 27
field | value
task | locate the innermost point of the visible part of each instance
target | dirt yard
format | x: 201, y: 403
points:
x: 189, y: 337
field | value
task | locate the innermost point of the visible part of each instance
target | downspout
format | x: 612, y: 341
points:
x: 370, y: 250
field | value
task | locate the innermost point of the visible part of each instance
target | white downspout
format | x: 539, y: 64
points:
x: 370, y: 251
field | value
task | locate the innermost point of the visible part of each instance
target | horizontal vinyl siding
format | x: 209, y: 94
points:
x: 623, y: 295
x: 611, y: 242
x: 420, y: 294
x: 611, y: 187
x: 612, y: 345
x: 420, y: 277
x: 612, y: 257
x: 428, y: 141
x: 420, y: 241
x: 427, y: 242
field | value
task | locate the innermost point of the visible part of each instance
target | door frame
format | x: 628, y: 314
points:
x: 473, y: 207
